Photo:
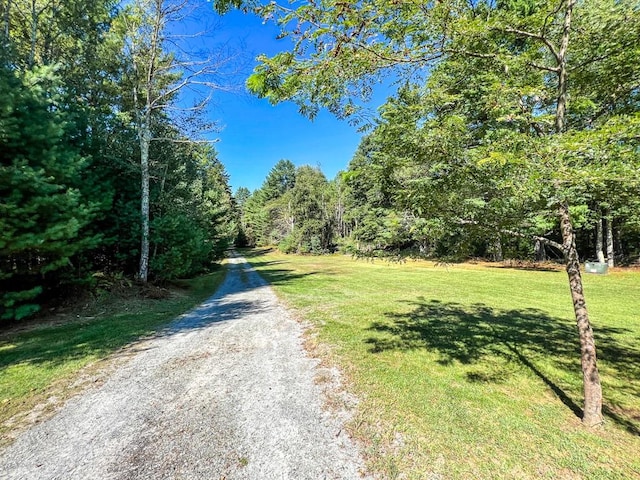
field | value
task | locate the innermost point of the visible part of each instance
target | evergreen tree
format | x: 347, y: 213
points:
x: 42, y: 213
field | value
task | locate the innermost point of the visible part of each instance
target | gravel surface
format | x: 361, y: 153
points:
x: 225, y: 392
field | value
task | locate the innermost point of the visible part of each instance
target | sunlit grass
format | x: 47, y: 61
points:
x: 473, y: 371
x: 39, y: 361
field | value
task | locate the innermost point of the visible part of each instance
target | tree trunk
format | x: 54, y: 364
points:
x: 292, y: 220
x: 599, y: 242
x: 145, y: 140
x: 7, y: 21
x: 34, y: 33
x: 592, y: 413
x: 610, y: 252
x: 539, y: 251
x: 497, y: 249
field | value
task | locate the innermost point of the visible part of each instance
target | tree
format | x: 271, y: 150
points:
x: 158, y: 71
x: 281, y: 177
x: 69, y: 182
x: 255, y: 220
x: 241, y: 197
x: 193, y: 218
x: 307, y: 214
x: 42, y: 213
x: 294, y: 209
x: 263, y: 212
x: 531, y: 48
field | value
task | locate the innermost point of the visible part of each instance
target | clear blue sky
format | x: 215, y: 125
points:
x: 256, y: 134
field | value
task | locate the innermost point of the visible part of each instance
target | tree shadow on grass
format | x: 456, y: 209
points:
x: 472, y: 335
x: 278, y: 276
x: 52, y: 346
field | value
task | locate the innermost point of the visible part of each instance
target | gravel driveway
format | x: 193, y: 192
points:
x: 226, y: 392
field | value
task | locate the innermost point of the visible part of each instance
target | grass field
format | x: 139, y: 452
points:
x: 40, y: 359
x: 472, y: 371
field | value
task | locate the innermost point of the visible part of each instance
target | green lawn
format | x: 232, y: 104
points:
x: 41, y: 360
x: 473, y: 371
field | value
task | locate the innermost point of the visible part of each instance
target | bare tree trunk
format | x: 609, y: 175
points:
x: 145, y: 140
x: 610, y: 251
x: 144, y: 130
x: 599, y: 241
x: 292, y: 220
x: 158, y: 76
x: 539, y: 251
x: 592, y: 413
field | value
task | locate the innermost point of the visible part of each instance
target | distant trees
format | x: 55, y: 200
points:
x: 293, y: 209
x: 70, y: 185
x: 308, y: 213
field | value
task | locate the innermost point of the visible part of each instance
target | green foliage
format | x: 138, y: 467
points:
x: 294, y: 209
x: 69, y: 190
x: 194, y: 220
x: 281, y: 178
x: 182, y: 246
x: 475, y: 133
x: 263, y: 213
x: 309, y: 207
x: 42, y: 212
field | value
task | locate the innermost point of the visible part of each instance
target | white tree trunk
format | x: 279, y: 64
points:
x: 497, y: 249
x: 145, y: 140
x: 599, y: 241
x: 610, y: 251
x: 7, y: 20
x: 34, y: 33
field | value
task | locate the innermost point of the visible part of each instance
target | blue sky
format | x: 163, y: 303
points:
x: 256, y: 134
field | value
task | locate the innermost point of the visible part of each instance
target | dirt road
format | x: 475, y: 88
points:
x: 226, y: 392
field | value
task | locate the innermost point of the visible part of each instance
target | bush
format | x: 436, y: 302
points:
x: 289, y: 244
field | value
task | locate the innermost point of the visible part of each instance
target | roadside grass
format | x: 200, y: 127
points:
x: 40, y: 362
x: 472, y: 371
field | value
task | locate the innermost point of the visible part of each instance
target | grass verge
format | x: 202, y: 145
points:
x: 41, y: 362
x: 473, y: 371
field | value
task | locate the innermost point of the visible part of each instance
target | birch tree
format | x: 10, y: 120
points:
x: 160, y: 68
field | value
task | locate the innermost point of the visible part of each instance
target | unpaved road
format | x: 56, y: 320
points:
x: 226, y: 392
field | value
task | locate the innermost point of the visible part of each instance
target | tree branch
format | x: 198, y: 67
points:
x: 535, y: 36
x: 544, y: 67
x: 514, y: 233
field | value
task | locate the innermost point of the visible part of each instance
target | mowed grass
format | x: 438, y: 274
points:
x: 39, y: 362
x: 473, y: 371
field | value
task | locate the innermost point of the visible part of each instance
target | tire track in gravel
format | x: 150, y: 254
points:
x: 225, y: 392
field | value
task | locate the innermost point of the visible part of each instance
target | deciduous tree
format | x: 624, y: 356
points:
x: 542, y: 91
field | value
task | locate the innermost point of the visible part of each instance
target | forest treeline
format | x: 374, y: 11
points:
x: 82, y: 86
x: 515, y: 124
x: 362, y: 212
